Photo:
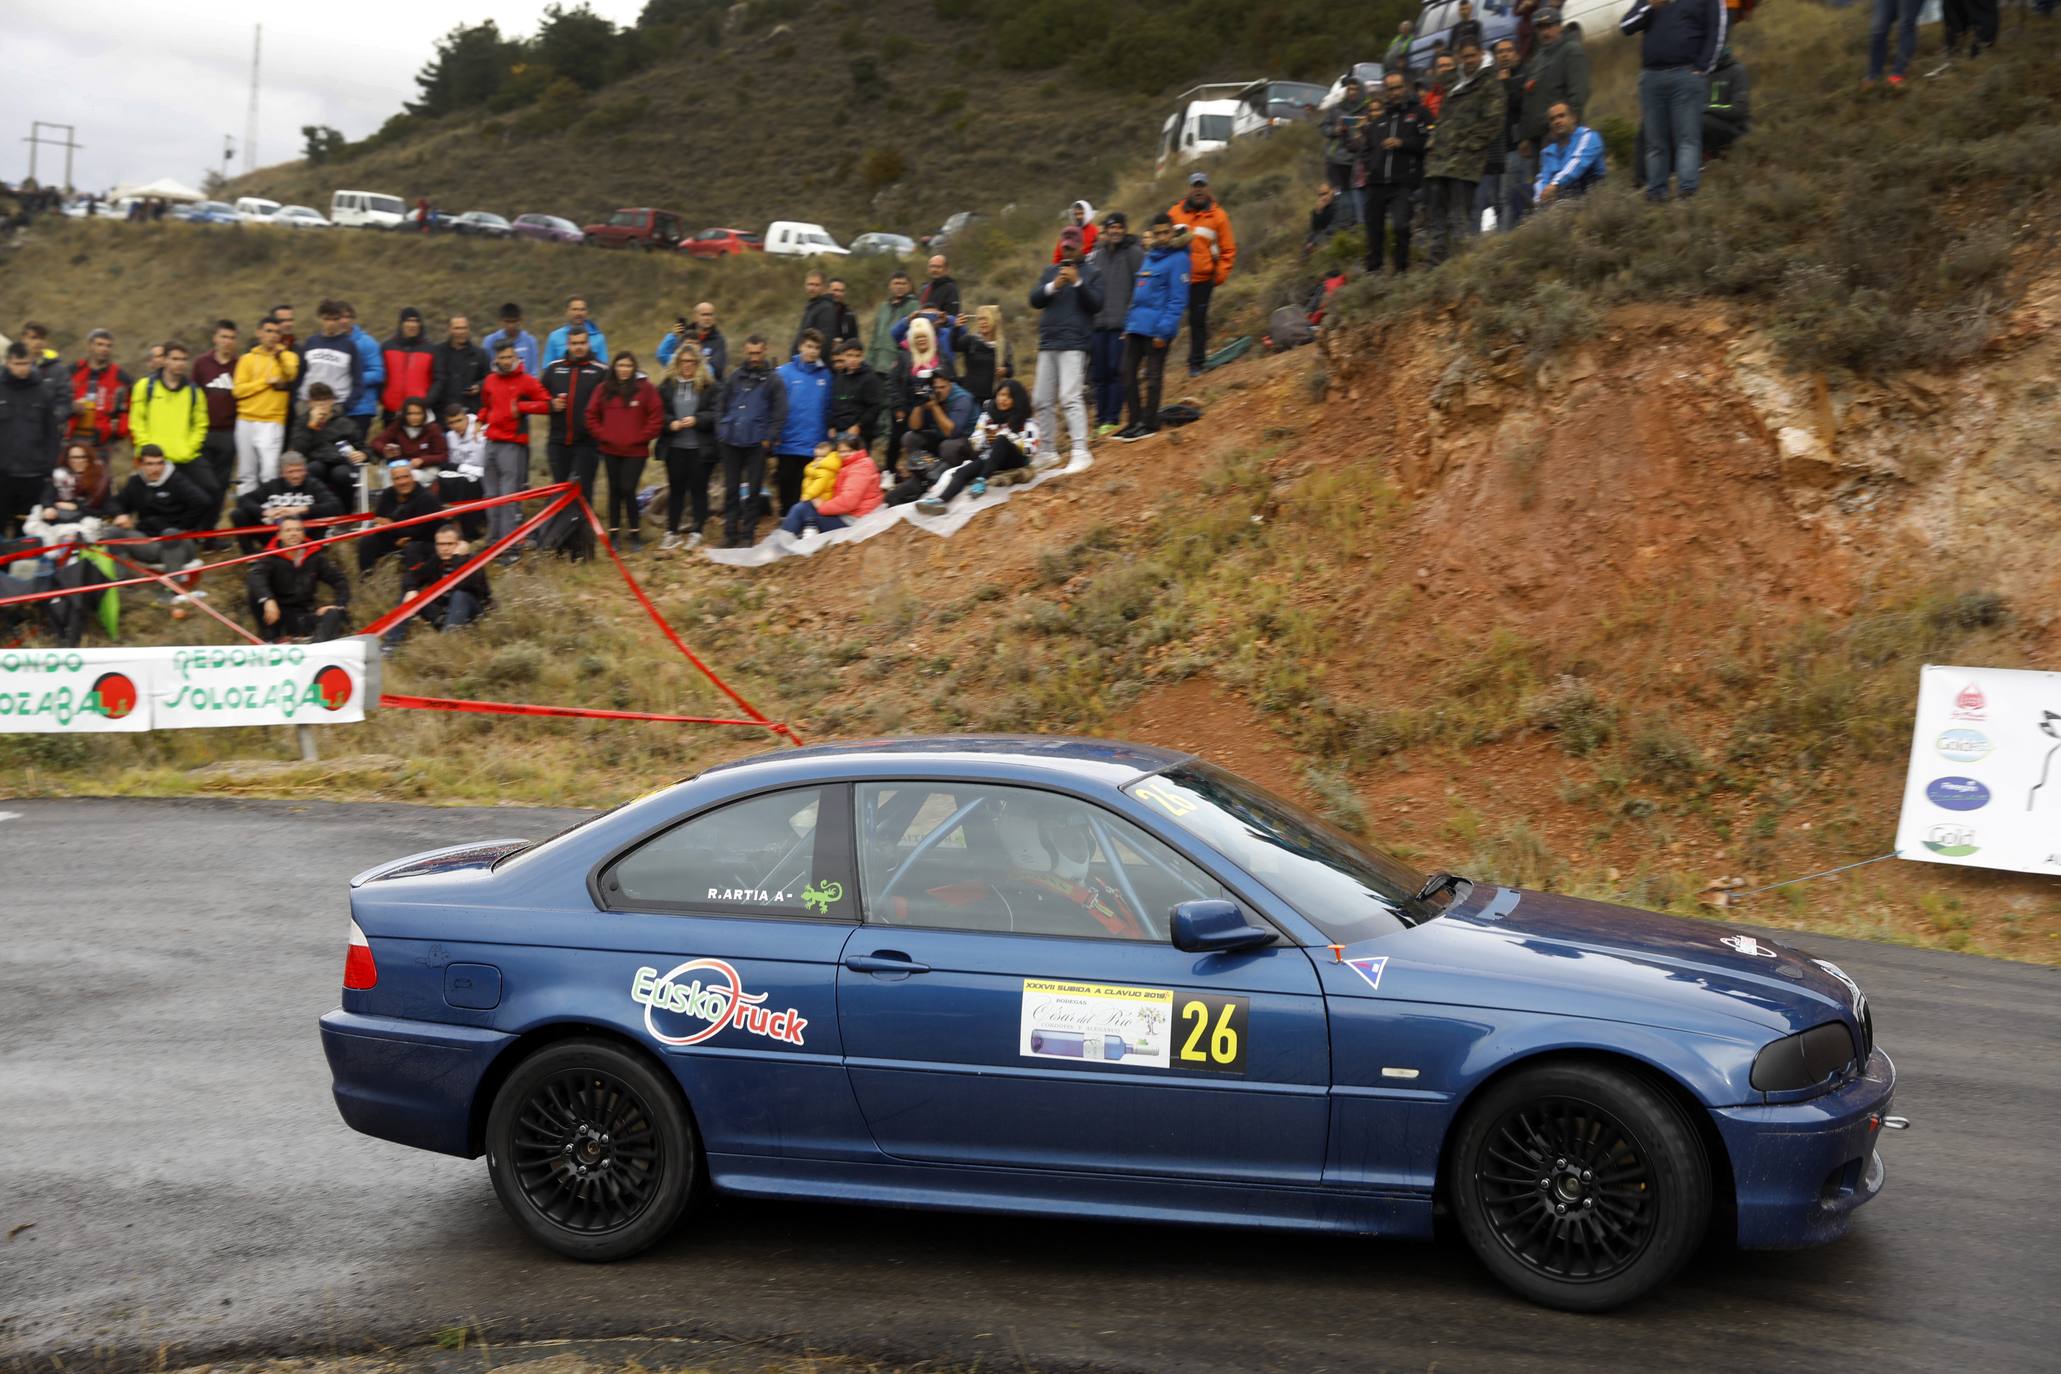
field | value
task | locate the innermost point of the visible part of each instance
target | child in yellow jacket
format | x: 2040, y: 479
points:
x: 819, y: 478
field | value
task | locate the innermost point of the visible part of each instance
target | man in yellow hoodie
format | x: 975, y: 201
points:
x: 264, y: 400
x: 167, y: 409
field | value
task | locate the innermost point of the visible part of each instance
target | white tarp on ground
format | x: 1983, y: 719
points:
x: 1984, y: 787
x: 72, y: 691
x: 780, y: 544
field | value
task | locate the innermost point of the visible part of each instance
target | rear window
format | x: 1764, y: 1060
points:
x: 628, y: 218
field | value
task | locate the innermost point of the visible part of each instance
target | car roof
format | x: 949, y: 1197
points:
x: 1113, y: 761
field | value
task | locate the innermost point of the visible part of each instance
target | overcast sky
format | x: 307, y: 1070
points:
x: 152, y: 88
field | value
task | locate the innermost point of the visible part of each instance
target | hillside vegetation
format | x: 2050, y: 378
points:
x: 1605, y: 574
x: 868, y: 114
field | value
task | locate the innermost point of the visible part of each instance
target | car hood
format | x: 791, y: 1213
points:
x: 1541, y: 951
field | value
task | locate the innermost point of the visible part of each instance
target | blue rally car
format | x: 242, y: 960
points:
x: 1080, y: 977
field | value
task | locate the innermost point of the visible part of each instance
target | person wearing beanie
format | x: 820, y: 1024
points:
x: 411, y: 365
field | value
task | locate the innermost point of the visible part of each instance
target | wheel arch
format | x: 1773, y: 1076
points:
x: 1724, y: 1190
x: 551, y: 1033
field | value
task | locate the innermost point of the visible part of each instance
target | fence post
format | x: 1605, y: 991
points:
x: 306, y: 735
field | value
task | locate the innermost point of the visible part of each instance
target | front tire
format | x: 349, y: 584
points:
x: 591, y: 1150
x: 1580, y: 1186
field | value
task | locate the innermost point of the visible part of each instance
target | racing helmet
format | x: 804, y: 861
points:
x: 1046, y: 836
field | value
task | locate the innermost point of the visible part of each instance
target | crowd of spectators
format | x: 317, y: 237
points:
x: 264, y: 431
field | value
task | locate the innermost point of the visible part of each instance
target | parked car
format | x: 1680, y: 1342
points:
x: 1074, y: 977
x: 547, y: 229
x: 794, y: 238
x: 96, y: 209
x: 721, y: 243
x: 256, y: 209
x: 1267, y: 105
x: 207, y: 212
x: 1435, y: 20
x: 879, y: 244
x: 298, y: 217
x: 480, y: 224
x: 950, y: 229
x: 1368, y: 74
x: 1196, y: 127
x: 367, y: 210
x: 638, y: 228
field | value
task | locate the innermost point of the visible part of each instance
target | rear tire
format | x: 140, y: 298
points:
x: 1580, y: 1186
x: 591, y: 1150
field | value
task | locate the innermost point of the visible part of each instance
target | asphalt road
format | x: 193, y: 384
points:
x: 167, y: 1139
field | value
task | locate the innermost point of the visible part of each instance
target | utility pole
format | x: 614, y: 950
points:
x: 250, y: 120
x: 68, y: 143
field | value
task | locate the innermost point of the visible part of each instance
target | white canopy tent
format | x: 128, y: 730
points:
x: 164, y: 188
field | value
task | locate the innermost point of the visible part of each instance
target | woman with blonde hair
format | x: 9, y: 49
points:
x: 985, y: 358
x: 688, y: 442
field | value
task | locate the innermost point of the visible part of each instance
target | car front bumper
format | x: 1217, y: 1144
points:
x: 411, y: 1082
x: 1800, y: 1169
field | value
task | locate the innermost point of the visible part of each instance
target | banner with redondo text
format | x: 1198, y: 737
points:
x: 1984, y: 787
x: 72, y: 691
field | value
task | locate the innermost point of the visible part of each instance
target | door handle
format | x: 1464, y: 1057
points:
x: 885, y: 961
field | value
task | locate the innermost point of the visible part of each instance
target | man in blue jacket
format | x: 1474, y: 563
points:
x: 751, y: 414
x: 1070, y: 294
x: 1570, y: 160
x: 576, y: 318
x: 515, y: 336
x: 363, y: 410
x: 1158, y: 299
x: 807, y: 379
x: 1680, y: 44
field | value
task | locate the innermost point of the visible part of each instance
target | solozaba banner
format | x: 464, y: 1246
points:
x: 70, y: 691
x: 1984, y: 788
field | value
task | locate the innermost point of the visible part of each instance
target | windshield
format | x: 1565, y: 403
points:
x: 1348, y: 890
x: 630, y: 217
x: 215, y: 207
x: 1212, y: 128
x: 484, y: 218
x: 387, y: 204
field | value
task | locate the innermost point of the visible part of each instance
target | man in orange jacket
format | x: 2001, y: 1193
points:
x: 1212, y: 251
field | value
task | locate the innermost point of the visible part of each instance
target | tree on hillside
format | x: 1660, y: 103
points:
x: 578, y: 44
x: 320, y: 142
x: 470, y: 65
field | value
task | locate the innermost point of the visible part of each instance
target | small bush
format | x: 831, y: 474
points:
x: 1581, y: 719
x: 1662, y: 755
x: 1337, y: 802
x: 881, y: 167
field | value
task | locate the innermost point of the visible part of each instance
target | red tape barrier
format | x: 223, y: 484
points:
x: 194, y: 536
x: 563, y: 494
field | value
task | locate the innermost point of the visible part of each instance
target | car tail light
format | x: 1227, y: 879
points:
x: 360, y: 972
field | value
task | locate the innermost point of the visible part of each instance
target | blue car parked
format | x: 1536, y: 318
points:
x: 1029, y: 975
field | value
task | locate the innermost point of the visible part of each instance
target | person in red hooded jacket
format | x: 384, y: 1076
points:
x: 624, y: 415
x: 508, y: 397
x: 411, y: 364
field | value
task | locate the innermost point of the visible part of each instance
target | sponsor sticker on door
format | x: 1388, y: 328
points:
x: 1096, y: 1023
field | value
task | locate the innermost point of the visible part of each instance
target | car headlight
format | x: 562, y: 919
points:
x: 1803, y: 1060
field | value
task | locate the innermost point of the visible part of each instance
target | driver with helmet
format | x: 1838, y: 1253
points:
x: 1048, y: 845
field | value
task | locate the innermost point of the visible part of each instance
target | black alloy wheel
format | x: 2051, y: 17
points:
x: 1580, y: 1185
x: 591, y: 1150
x: 1567, y: 1189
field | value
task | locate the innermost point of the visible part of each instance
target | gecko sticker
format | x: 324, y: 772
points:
x: 819, y: 897
x: 719, y: 1001
x: 1096, y: 1022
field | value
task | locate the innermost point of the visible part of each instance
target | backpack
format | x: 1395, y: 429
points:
x: 1179, y: 413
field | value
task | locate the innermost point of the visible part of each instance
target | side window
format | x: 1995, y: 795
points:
x: 950, y: 856
x: 784, y: 854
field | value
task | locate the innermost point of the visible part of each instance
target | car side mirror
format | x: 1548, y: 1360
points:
x: 1215, y: 927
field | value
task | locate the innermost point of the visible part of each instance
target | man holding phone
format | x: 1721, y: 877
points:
x: 1069, y: 294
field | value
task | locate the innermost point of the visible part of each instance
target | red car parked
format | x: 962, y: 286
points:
x: 721, y: 243
x: 640, y: 227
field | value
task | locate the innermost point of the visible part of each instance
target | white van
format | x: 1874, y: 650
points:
x: 1196, y: 128
x: 366, y: 210
x: 795, y: 239
x: 256, y: 209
